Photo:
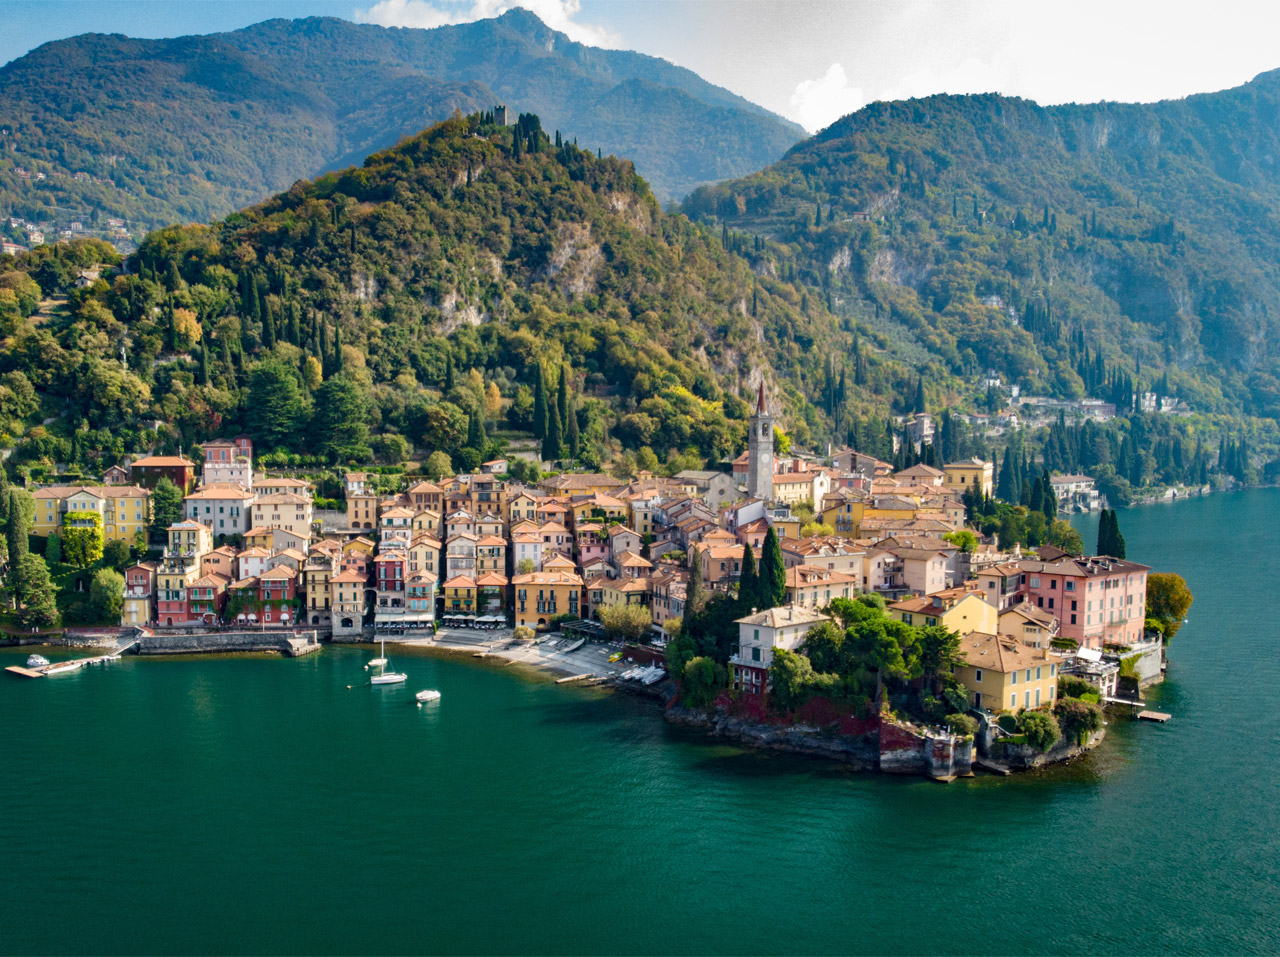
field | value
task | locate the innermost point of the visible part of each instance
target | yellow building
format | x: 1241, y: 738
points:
x: 190, y: 539
x: 540, y: 596
x: 955, y: 609
x: 624, y: 591
x: 1003, y: 675
x: 963, y: 476
x: 813, y: 587
x: 287, y: 510
x: 459, y: 594
x: 125, y: 509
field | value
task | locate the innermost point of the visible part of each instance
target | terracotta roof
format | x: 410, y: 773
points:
x: 798, y: 576
x: 999, y: 654
x: 492, y: 580
x: 213, y: 580
x: 460, y: 581
x: 346, y: 578
x: 784, y: 616
x: 491, y: 540
x: 162, y: 460
x: 220, y: 491
x: 101, y: 491
x: 283, y: 498
x: 547, y: 578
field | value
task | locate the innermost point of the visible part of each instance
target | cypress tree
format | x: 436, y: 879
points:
x: 571, y: 429
x: 551, y: 449
x: 337, y: 349
x: 268, y: 325
x: 748, y: 583
x: 204, y: 361
x: 448, y: 373
x: 16, y: 532
x: 1104, y: 532
x: 539, y: 404
x: 562, y: 398
x: 1006, y: 488
x: 919, y: 400
x: 772, y: 588
x: 476, y: 438
x: 1117, y: 540
x: 693, y: 591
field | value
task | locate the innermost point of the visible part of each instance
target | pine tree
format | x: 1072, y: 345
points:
x: 772, y: 589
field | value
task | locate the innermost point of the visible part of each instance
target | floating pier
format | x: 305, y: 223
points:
x: 1157, y: 716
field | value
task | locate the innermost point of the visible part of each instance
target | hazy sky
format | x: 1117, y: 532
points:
x: 810, y: 60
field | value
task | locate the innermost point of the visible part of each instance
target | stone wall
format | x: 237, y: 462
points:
x: 860, y: 751
x: 906, y: 750
x: 1024, y: 757
x: 215, y: 642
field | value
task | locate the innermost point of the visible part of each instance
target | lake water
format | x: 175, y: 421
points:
x: 260, y: 805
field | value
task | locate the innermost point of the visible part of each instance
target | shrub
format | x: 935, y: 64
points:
x: 962, y: 724
x: 1041, y: 729
x: 525, y: 633
x: 1069, y: 686
x: 1077, y: 717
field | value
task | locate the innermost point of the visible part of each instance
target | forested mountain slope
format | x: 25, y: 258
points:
x: 416, y: 302
x: 1072, y: 249
x: 191, y: 128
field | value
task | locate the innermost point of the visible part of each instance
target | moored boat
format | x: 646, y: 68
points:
x: 427, y: 695
x: 37, y: 661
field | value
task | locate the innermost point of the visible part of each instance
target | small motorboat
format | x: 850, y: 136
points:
x: 64, y: 667
x: 37, y: 661
x: 427, y: 696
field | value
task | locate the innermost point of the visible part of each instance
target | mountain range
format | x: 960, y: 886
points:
x: 1064, y: 248
x: 188, y: 129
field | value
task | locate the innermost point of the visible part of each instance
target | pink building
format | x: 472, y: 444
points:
x: 1096, y: 600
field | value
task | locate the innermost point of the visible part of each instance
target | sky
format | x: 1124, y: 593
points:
x: 810, y: 60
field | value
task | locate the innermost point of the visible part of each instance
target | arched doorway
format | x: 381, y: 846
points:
x: 347, y: 623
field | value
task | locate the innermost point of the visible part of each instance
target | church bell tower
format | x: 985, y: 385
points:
x: 760, y: 451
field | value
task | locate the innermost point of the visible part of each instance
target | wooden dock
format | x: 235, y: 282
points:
x: 569, y: 678
x: 22, y: 672
x: 1157, y: 716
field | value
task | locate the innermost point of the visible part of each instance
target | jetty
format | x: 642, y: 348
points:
x: 569, y: 678
x: 71, y: 664
x: 1157, y: 716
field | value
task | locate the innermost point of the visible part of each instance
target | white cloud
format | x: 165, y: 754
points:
x: 818, y: 103
x: 426, y: 14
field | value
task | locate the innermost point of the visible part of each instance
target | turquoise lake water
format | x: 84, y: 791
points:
x: 254, y: 804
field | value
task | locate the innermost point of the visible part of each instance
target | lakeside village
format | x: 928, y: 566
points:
x: 837, y: 608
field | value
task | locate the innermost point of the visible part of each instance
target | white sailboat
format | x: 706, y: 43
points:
x: 385, y: 677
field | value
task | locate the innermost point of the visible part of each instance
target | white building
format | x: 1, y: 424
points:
x: 760, y: 634
x: 224, y: 509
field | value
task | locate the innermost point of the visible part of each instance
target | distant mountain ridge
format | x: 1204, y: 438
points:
x: 1044, y: 243
x: 191, y: 128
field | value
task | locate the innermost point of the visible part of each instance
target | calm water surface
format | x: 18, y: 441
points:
x: 255, y: 804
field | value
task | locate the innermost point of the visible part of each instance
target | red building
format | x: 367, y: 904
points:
x: 206, y: 598
x: 277, y: 595
x: 149, y: 470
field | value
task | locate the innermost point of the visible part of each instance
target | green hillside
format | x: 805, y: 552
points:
x: 188, y: 129
x: 1071, y: 250
x: 415, y: 303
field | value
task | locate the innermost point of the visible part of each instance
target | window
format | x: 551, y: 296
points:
x: 1073, y: 619
x: 1073, y: 605
x: 1013, y: 678
x: 1037, y: 678
x: 1052, y: 669
x: 977, y: 674
x: 755, y: 654
x: 1035, y: 581
x: 1013, y: 700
